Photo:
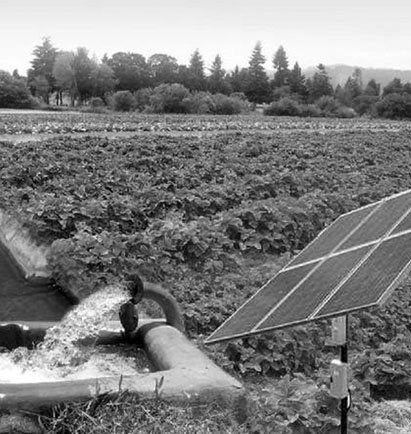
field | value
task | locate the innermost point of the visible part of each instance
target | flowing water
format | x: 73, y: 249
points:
x: 68, y: 350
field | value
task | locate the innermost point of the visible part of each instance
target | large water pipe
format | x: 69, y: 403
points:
x: 182, y: 372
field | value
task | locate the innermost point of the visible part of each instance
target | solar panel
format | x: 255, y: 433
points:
x: 353, y: 264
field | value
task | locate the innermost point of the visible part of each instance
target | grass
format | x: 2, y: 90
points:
x: 126, y: 414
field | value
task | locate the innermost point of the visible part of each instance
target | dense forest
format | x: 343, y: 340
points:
x: 129, y: 81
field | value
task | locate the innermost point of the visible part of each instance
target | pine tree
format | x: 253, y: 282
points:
x: 353, y: 87
x: 238, y: 79
x: 319, y: 85
x: 372, y: 88
x: 258, y: 89
x: 40, y: 75
x: 196, y: 72
x: 280, y: 63
x: 216, y: 81
x: 296, y: 81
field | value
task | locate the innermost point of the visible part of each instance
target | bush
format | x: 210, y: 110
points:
x: 14, y: 92
x: 123, y: 101
x: 169, y: 98
x: 230, y: 105
x: 175, y: 98
x: 331, y: 107
x: 328, y: 105
x: 310, y: 111
x: 142, y: 99
x: 364, y: 104
x: 345, y: 112
x: 394, y: 106
x: 96, y: 102
x: 284, y: 107
x: 239, y: 95
x: 199, y: 103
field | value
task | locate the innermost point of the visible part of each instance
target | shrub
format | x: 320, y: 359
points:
x: 14, y: 92
x: 239, y: 95
x: 123, y: 101
x: 328, y: 105
x: 169, y: 98
x: 96, y: 102
x: 364, y: 104
x: 394, y: 106
x: 284, y: 107
x: 230, y: 105
x: 142, y: 99
x: 310, y: 111
x: 199, y: 103
x: 331, y: 107
x: 345, y: 112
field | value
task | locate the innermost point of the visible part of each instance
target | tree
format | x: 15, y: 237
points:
x: 40, y: 76
x: 103, y: 80
x: 296, y: 81
x: 196, y: 72
x: 394, y: 106
x: 162, y: 69
x: 372, y: 88
x: 257, y: 89
x: 394, y: 86
x: 365, y: 103
x: 130, y: 69
x: 13, y: 92
x: 217, y: 82
x: 42, y: 87
x: 319, y: 85
x: 83, y: 68
x: 64, y: 74
x: 280, y: 63
x: 352, y: 88
x: 238, y: 79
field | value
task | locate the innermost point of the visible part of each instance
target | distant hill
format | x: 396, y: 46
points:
x: 340, y: 73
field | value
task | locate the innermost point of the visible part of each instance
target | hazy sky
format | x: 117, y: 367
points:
x: 356, y: 32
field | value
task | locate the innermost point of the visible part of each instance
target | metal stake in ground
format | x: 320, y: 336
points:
x: 344, y: 401
x: 339, y: 369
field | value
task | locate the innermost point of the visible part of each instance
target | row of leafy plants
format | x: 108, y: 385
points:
x: 211, y: 218
x: 79, y: 122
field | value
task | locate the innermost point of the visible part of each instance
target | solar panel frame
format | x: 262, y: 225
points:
x: 375, y: 244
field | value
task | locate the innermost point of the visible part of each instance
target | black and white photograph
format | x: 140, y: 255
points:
x: 205, y: 217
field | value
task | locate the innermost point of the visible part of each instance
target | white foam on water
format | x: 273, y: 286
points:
x: 60, y: 356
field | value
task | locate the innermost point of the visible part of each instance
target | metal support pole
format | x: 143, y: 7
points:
x: 344, y: 401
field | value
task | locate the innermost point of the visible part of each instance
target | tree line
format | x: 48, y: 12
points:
x: 82, y: 77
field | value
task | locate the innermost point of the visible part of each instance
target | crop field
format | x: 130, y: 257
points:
x: 211, y: 207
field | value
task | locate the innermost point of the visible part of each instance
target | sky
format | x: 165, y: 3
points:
x: 366, y: 33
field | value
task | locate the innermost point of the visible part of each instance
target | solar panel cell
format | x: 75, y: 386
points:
x: 314, y: 289
x: 379, y: 222
x: 405, y: 225
x: 254, y: 309
x: 333, y: 235
x: 369, y: 283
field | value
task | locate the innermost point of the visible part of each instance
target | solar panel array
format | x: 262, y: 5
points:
x: 353, y: 264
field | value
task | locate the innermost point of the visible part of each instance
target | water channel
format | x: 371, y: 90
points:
x: 24, y: 300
